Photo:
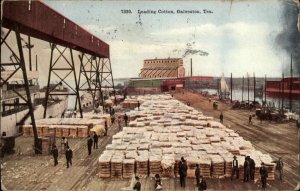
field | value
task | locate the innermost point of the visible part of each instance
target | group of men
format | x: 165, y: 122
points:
x: 67, y: 149
x: 249, y: 170
x: 92, y: 140
x: 182, y: 170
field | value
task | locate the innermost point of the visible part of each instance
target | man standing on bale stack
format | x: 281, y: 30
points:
x: 126, y: 120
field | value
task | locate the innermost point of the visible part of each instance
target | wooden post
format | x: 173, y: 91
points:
x: 231, y: 87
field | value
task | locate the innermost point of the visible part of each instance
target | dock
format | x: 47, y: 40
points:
x: 38, y: 173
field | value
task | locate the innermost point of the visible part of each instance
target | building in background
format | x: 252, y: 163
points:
x: 163, y: 68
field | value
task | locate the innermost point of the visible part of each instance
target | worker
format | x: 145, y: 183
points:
x: 64, y: 142
x: 158, y: 184
x: 106, y: 128
x: 221, y: 117
x: 279, y: 167
x: 113, y: 119
x: 202, y: 185
x: 252, y: 168
x: 209, y: 100
x: 197, y: 174
x: 69, y: 156
x: 90, y: 145
x: 235, y: 168
x: 246, y: 169
x: 182, y: 172
x: 137, y: 185
x: 264, y: 175
x: 119, y: 123
x: 126, y: 119
x: 138, y: 104
x: 250, y: 119
x: 95, y: 137
x: 55, y: 154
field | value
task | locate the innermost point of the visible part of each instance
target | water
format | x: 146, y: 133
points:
x: 237, y: 94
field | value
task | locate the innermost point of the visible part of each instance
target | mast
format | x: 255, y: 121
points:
x: 254, y: 90
x: 243, y: 89
x: 266, y: 89
x: 282, y: 92
x: 248, y: 83
x: 231, y: 87
x: 291, y: 83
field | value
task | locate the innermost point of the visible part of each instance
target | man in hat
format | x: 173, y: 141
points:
x: 235, y: 168
x: 221, y: 117
x: 279, y: 167
x: 197, y: 174
x: 90, y: 145
x: 202, y: 184
x: 246, y: 169
x: 55, y: 154
x: 182, y: 171
x: 69, y: 156
x: 126, y: 119
x: 252, y: 168
x: 264, y: 175
x: 138, y: 104
x: 137, y: 185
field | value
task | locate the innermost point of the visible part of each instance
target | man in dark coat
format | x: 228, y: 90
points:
x: 263, y: 175
x: 202, y: 185
x: 221, y: 117
x: 246, y: 170
x: 138, y: 103
x: 126, y: 119
x: 55, y: 154
x: 182, y: 171
x: 197, y: 174
x: 252, y: 168
x: 250, y: 119
x: 90, y: 144
x: 137, y: 185
x: 235, y: 168
x: 95, y: 137
x: 69, y: 156
x: 106, y: 128
x: 279, y: 167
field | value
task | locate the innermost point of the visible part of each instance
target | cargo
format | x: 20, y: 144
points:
x: 164, y: 130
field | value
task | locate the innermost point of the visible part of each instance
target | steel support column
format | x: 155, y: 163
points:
x: 89, y: 76
x: 106, y: 76
x: 61, y: 73
x: 19, y: 64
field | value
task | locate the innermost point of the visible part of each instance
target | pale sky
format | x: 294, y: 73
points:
x: 239, y: 39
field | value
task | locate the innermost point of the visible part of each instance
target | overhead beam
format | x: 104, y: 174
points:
x: 38, y: 20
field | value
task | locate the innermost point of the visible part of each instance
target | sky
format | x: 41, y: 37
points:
x: 239, y: 38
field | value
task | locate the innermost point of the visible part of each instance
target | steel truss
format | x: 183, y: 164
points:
x: 98, y: 75
x: 62, y: 72
x: 18, y: 63
x: 89, y: 70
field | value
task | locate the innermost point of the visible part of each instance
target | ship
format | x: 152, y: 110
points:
x: 14, y: 113
x: 288, y: 87
x: 224, y: 91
